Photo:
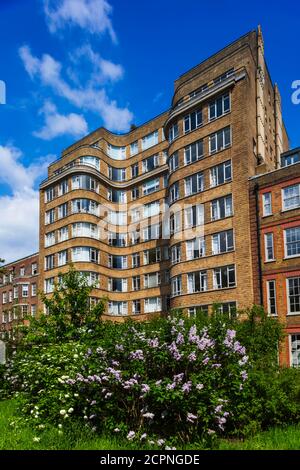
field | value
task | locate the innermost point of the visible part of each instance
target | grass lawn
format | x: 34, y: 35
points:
x: 22, y: 437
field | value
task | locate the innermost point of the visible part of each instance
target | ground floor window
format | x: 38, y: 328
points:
x: 295, y: 350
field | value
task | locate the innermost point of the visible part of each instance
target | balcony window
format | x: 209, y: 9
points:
x: 152, y: 304
x: 117, y: 262
x: 117, y: 153
x: 150, y: 163
x: 85, y: 254
x: 84, y: 182
x: 85, y: 206
x: 117, y: 174
x: 90, y: 161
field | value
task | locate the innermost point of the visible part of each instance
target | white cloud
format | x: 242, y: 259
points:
x: 19, y: 212
x: 91, y: 15
x: 91, y: 98
x: 58, y: 124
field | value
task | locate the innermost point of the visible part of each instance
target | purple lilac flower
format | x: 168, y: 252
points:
x: 205, y: 361
x: 171, y: 386
x: 153, y: 343
x: 115, y: 363
x: 137, y: 355
x: 199, y: 386
x: 158, y: 383
x: 217, y: 366
x: 128, y: 384
x: 181, y: 323
x: 243, y: 361
x: 178, y: 378
x: 161, y: 442
x: 192, y: 357
x: 191, y: 418
x: 218, y: 409
x: 119, y: 347
x: 174, y: 351
x: 244, y: 375
x: 143, y: 436
x: 145, y: 388
x: 186, y: 388
x: 131, y: 435
x: 180, y: 338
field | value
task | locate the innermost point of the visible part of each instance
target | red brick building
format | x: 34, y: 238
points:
x: 18, y: 291
x: 275, y: 222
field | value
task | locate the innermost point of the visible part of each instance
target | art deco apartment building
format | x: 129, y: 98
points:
x: 101, y: 206
x: 18, y: 291
x: 275, y: 222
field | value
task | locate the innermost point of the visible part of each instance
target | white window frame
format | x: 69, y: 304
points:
x: 267, y: 204
x: 267, y: 238
x: 269, y: 297
x: 288, y: 295
x: 285, y: 243
x: 284, y: 208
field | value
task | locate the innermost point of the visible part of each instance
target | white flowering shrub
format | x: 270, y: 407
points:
x: 168, y: 381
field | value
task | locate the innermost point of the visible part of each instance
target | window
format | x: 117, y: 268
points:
x: 152, y: 304
x: 34, y: 269
x: 117, y: 262
x: 33, y: 310
x: 219, y: 107
x: 151, y: 186
x: 150, y: 163
x: 16, y: 292
x: 135, y: 193
x: 84, y: 229
x: 117, y: 174
x: 84, y: 182
x: 136, y: 307
x: 135, y: 237
x: 22, y: 271
x: 197, y: 282
x: 49, y: 239
x: 152, y: 232
x: 33, y: 290
x: 174, y: 192
x: 150, y: 140
x: 49, y: 262
x: 85, y: 254
x: 269, y: 247
x: 173, y: 162
x: 117, y: 218
x: 195, y: 249
x: 220, y: 140
x: 194, y: 311
x: 175, y: 222
x: 90, y: 161
x: 62, y: 258
x: 91, y: 278
x: 228, y: 309
x: 151, y: 209
x: 151, y: 280
x: 49, y: 194
x: 115, y: 195
x: 224, y: 76
x: 222, y: 242
x: 224, y: 277
x: 220, y: 174
x: 10, y: 296
x: 194, y: 184
x: 173, y: 132
x: 267, y: 204
x: 194, y: 216
x: 291, y: 197
x: 117, y: 285
x: 193, y: 152
x: 63, y: 210
x: 24, y: 310
x: 176, y: 286
x: 117, y: 308
x: 134, y: 170
x: 193, y: 121
x: 134, y: 148
x: 271, y: 293
x: 136, y: 283
x: 117, y: 153
x: 85, y: 206
x: 291, y: 159
x: 221, y: 208
x: 165, y: 181
x: 49, y: 285
x: 117, y: 239
x: 50, y: 216
x: 292, y: 242
x: 136, y: 260
x: 293, y: 288
x: 295, y: 350
x: 63, y: 234
x: 152, y: 256
x: 176, y: 254
x: 4, y: 297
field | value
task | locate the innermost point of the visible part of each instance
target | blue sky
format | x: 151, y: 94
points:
x: 71, y: 66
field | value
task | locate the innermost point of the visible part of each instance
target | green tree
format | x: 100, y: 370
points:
x: 69, y: 311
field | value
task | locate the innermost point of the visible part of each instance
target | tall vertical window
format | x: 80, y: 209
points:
x: 173, y: 162
x: 194, y: 216
x: 220, y: 174
x: 49, y: 262
x: 136, y: 260
x: 175, y: 222
x: 269, y: 247
x: 194, y: 184
x: 292, y: 242
x: 193, y: 152
x: 150, y: 163
x: 152, y: 304
x: 49, y: 194
x: 197, y: 282
x: 176, y: 254
x: 295, y: 350
x: 173, y: 132
x: 271, y: 292
x: 117, y: 174
x: 49, y: 239
x: 134, y: 148
x: 151, y: 280
x: 219, y: 107
x: 293, y: 291
x: 220, y: 140
x: 193, y: 121
x: 221, y: 208
x: 63, y: 234
x: 136, y: 283
x: 291, y: 197
x: 195, y: 249
x: 63, y: 210
x: 176, y: 286
x: 62, y: 258
x: 134, y: 170
x: 25, y: 290
x: 49, y: 285
x: 135, y: 193
x: 174, y: 192
x: 224, y: 277
x: 50, y: 216
x: 222, y: 242
x: 267, y: 204
x: 63, y: 188
x: 136, y: 307
x: 150, y: 140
